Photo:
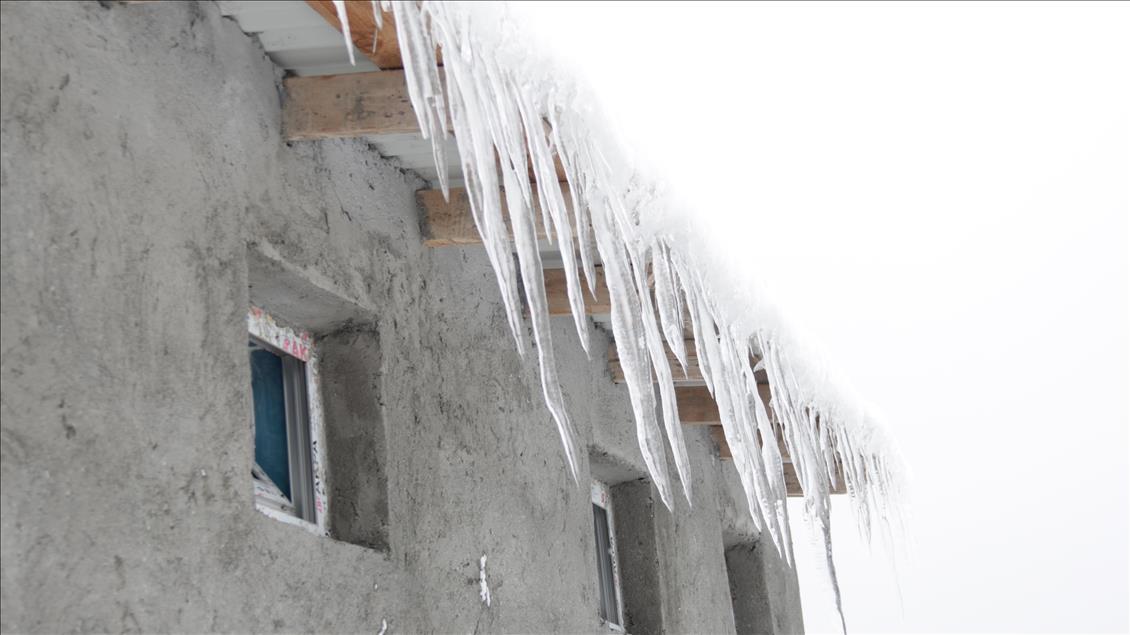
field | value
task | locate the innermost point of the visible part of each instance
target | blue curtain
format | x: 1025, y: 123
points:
x: 270, y: 417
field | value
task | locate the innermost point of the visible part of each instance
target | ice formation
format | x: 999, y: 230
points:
x: 484, y: 590
x: 343, y: 17
x: 513, y: 113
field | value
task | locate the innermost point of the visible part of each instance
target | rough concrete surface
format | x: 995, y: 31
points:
x: 147, y: 200
x: 766, y: 598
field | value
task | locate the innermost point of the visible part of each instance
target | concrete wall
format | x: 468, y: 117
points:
x: 766, y: 596
x: 147, y: 199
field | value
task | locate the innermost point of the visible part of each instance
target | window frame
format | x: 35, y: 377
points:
x: 601, y: 497
x: 298, y: 344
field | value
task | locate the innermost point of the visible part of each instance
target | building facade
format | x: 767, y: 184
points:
x: 153, y: 214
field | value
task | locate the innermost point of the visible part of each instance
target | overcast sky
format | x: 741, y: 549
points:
x: 936, y: 195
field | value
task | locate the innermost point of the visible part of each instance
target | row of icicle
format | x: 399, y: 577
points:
x: 508, y: 115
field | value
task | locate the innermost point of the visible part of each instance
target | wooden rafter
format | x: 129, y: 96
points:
x: 359, y: 104
x: 334, y: 106
x: 449, y: 222
x: 557, y: 294
x: 697, y: 406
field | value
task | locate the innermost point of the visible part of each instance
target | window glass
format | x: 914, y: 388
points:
x: 270, y: 417
x: 607, y: 588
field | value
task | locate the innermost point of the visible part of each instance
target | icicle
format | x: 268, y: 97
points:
x: 698, y: 331
x: 529, y: 260
x: 662, y: 368
x: 549, y: 194
x: 805, y: 449
x: 730, y: 389
x: 418, y: 52
x: 377, y: 22
x: 484, y: 590
x: 477, y: 158
x: 770, y: 452
x: 574, y: 180
x: 670, y: 314
x: 632, y: 350
x: 343, y: 18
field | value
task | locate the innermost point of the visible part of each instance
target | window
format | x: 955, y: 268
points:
x: 287, y: 472
x: 607, y: 568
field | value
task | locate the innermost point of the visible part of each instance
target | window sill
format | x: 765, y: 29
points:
x: 612, y: 628
x: 282, y: 516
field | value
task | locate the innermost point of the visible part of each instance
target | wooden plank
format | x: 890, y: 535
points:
x: 449, y: 222
x: 363, y: 30
x: 697, y: 406
x: 333, y: 106
x: 557, y: 294
x: 359, y: 104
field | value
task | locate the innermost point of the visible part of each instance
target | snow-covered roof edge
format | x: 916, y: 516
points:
x: 510, y: 109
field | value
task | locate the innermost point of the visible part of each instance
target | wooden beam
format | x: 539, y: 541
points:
x: 449, y: 222
x: 359, y: 104
x: 333, y: 106
x: 697, y: 406
x: 557, y: 294
x: 385, y: 51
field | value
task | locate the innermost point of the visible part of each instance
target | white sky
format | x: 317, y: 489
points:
x: 937, y: 195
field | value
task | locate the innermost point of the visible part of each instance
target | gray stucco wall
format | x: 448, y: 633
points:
x: 147, y: 199
x: 765, y: 595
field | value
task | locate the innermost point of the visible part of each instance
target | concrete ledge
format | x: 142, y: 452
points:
x: 297, y: 297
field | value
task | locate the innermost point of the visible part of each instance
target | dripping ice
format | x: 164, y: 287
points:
x: 511, y: 111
